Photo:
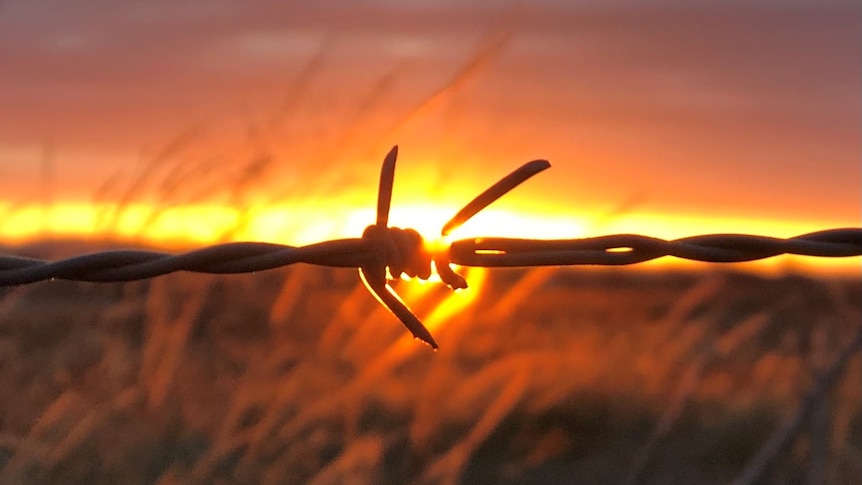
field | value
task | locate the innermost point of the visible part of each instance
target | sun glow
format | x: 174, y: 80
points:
x: 458, y: 300
x: 295, y: 224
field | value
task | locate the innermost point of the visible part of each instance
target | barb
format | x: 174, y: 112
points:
x: 493, y: 193
x: 384, y: 253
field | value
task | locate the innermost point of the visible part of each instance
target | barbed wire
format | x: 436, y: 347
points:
x: 384, y: 252
x: 625, y: 249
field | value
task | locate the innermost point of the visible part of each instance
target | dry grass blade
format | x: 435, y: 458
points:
x: 489, y: 48
x: 300, y: 85
x: 720, y: 348
x: 148, y: 169
x: 791, y: 427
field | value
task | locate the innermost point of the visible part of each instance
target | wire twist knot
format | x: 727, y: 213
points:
x: 404, y: 252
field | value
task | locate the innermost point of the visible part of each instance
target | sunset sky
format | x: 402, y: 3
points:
x: 669, y: 118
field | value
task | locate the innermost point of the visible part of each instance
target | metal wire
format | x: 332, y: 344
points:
x: 624, y: 249
x: 248, y: 257
x: 396, y: 251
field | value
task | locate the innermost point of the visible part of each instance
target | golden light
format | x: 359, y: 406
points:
x: 297, y: 223
x: 415, y: 291
x: 301, y: 223
x: 459, y: 299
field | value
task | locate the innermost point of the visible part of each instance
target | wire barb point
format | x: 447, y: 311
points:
x: 390, y: 253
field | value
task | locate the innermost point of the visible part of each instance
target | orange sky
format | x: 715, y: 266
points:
x: 669, y: 120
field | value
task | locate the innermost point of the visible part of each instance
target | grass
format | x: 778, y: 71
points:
x: 298, y: 376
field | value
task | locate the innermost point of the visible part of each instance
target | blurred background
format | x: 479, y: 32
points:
x: 179, y: 124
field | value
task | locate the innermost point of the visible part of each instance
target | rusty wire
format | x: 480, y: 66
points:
x: 385, y: 252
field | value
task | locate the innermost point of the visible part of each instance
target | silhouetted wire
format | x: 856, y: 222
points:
x: 248, y: 257
x: 396, y: 251
x: 624, y: 249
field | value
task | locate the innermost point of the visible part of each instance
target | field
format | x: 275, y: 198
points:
x: 163, y: 124
x: 544, y: 376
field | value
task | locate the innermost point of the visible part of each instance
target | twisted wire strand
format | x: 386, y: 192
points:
x: 406, y: 253
x: 127, y: 265
x: 625, y: 249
